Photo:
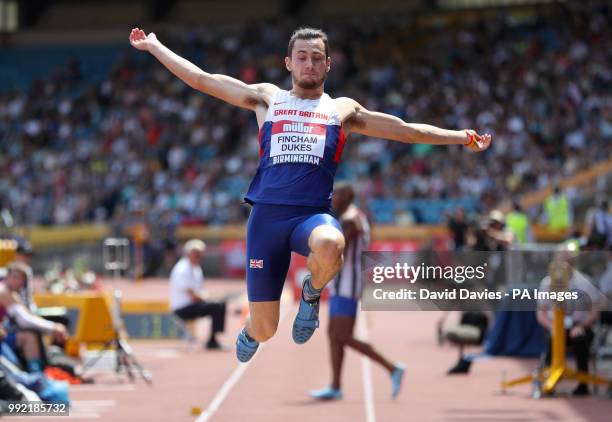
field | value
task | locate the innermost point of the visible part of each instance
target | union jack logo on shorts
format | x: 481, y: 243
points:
x: 255, y: 263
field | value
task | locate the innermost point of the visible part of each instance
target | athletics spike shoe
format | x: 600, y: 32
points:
x: 396, y: 379
x: 327, y: 393
x: 306, y: 321
x: 245, y: 348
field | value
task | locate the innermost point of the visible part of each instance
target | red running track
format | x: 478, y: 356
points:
x: 274, y: 385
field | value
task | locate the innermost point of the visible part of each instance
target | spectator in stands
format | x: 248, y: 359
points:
x: 558, y: 210
x: 128, y: 138
x: 599, y: 229
x: 187, y: 299
x: 517, y: 222
x: 458, y: 227
x: 490, y: 233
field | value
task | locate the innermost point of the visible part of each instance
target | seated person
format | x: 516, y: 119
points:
x: 186, y: 300
x: 25, y: 339
x: 18, y: 385
x: 580, y: 315
x: 470, y: 331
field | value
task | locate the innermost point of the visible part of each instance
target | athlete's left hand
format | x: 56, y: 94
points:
x: 476, y: 142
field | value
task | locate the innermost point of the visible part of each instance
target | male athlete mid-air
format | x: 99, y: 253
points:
x: 301, y: 134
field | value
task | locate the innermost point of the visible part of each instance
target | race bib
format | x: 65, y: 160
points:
x: 297, y: 142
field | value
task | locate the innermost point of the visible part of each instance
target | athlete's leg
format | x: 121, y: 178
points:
x: 337, y: 318
x: 263, y: 320
x: 363, y: 347
x: 320, y: 238
x: 326, y: 245
x: 268, y: 257
x: 336, y: 349
x: 396, y: 371
x: 343, y: 313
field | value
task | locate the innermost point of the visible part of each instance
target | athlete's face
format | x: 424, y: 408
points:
x: 308, y: 63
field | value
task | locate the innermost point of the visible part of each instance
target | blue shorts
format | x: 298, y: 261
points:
x: 273, y: 231
x: 342, y: 306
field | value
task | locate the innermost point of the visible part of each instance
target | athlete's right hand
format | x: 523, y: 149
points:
x: 140, y: 40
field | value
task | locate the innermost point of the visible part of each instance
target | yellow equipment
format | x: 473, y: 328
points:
x: 89, y: 314
x: 8, y: 249
x: 98, y: 324
x: 560, y: 273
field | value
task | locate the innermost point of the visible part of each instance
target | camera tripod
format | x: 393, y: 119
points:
x: 125, y: 359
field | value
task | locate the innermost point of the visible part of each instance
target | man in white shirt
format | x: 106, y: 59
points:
x: 186, y: 300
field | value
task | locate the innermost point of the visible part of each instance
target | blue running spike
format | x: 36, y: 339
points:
x: 396, y: 379
x: 245, y: 349
x: 306, y: 320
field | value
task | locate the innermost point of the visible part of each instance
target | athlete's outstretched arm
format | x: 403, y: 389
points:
x: 224, y: 87
x: 386, y: 126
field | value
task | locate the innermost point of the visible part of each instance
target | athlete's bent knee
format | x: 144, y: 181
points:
x: 328, y: 245
x: 263, y: 331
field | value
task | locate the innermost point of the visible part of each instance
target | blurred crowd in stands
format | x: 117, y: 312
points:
x: 140, y: 144
x: 135, y: 147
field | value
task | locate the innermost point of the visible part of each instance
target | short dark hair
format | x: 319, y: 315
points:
x: 306, y: 33
x: 345, y: 186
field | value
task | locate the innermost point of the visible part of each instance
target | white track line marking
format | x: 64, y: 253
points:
x: 235, y: 376
x: 366, y: 371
